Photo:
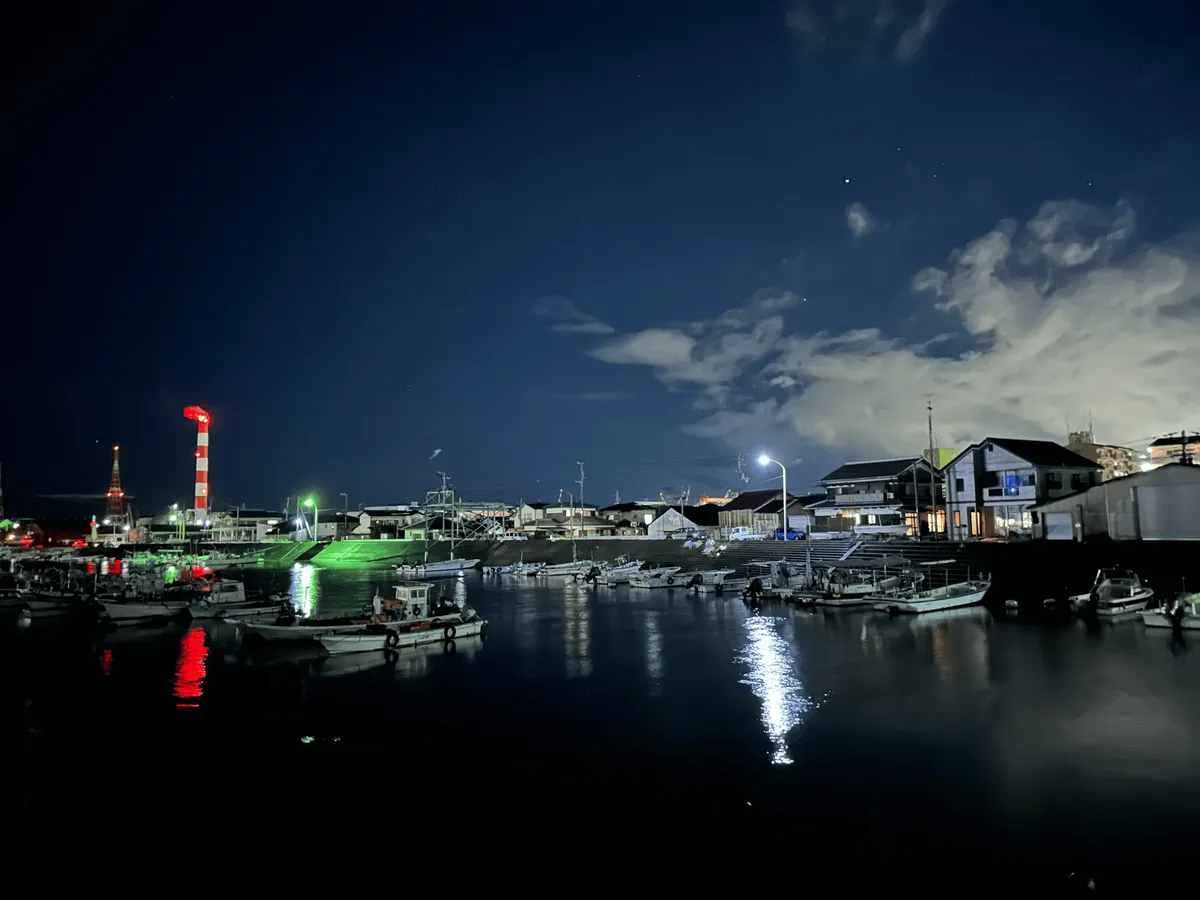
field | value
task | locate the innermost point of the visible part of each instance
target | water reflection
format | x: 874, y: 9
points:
x: 304, y: 592
x: 772, y: 678
x: 577, y: 633
x: 654, y: 654
x: 190, y: 667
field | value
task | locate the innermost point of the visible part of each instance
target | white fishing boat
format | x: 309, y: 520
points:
x: 175, y: 601
x: 614, y: 577
x: 667, y: 577
x: 1114, y: 592
x: 413, y: 603
x: 249, y: 611
x: 707, y: 581
x: 951, y: 595
x: 448, y: 567
x: 858, y: 583
x: 579, y: 568
x: 392, y: 639
x: 1182, y: 612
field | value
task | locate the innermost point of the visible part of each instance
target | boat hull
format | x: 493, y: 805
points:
x: 934, y: 601
x: 294, y: 633
x: 1116, y: 606
x: 851, y: 601
x: 128, y: 613
x: 1158, y: 619
x: 339, y: 644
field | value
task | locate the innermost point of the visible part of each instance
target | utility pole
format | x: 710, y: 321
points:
x: 933, y: 467
x: 617, y: 501
x: 1184, y: 456
x: 580, y: 497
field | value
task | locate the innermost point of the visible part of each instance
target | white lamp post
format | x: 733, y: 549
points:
x: 766, y: 460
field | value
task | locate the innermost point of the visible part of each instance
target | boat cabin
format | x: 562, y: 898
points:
x: 411, y: 597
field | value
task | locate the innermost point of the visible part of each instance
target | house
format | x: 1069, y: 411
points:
x: 1114, y: 461
x: 1161, y: 504
x: 635, y: 517
x: 569, y: 526
x: 1174, y: 448
x: 992, y: 486
x: 569, y: 509
x: 251, y: 525
x: 697, y: 519
x: 881, y: 495
x: 528, y: 513
x: 746, y: 511
x: 330, y: 526
x: 385, y: 521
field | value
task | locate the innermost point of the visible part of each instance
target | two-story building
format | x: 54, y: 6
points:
x: 882, y: 496
x: 992, y: 485
x: 1176, y: 448
x: 632, y: 518
x: 528, y: 513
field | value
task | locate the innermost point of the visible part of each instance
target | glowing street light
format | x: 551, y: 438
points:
x: 311, y: 503
x: 765, y: 460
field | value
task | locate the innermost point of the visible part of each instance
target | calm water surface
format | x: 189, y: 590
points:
x: 606, y: 705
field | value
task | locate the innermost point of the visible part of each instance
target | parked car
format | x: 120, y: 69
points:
x: 792, y: 535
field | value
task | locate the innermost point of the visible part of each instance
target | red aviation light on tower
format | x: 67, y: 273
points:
x: 202, y: 419
x: 115, y: 498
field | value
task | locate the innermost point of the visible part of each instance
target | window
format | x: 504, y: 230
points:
x: 1053, y: 481
x: 1078, y: 481
x: 958, y: 518
x: 958, y: 486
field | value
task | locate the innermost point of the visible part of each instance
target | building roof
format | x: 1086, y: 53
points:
x: 1106, y: 485
x: 1174, y: 440
x: 751, y: 500
x: 870, y: 469
x: 630, y: 507
x: 538, y: 505
x: 1041, y: 453
x: 796, y: 505
x: 389, y: 512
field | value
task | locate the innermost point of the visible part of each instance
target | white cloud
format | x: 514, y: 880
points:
x: 859, y: 220
x: 568, y: 317
x: 865, y: 26
x: 913, y: 37
x: 1059, y: 317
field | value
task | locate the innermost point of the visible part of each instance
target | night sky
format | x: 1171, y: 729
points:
x: 648, y: 236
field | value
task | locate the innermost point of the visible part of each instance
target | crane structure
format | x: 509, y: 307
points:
x: 114, y: 500
x: 202, y: 419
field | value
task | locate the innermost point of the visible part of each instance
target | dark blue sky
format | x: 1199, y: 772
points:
x: 331, y: 225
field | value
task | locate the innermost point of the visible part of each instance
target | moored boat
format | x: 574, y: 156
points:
x: 950, y: 595
x: 1114, y: 592
x: 667, y: 577
x: 1182, y: 612
x: 614, y: 577
x: 392, y: 639
x: 436, y: 569
x: 707, y: 580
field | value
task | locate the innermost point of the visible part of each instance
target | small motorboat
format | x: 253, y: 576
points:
x: 389, y: 640
x: 1114, y: 592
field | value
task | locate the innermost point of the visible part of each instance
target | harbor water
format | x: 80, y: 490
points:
x: 657, y: 716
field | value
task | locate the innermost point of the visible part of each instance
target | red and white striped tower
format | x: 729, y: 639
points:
x: 202, y: 419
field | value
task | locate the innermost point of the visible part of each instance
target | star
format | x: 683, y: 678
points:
x: 847, y: 181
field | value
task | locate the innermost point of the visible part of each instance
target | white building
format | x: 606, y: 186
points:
x: 1162, y: 504
x: 992, y: 486
x: 528, y: 513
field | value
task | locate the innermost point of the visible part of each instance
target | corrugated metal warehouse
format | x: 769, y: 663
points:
x: 1160, y: 505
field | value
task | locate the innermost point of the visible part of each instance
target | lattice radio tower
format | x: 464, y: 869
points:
x: 114, y: 500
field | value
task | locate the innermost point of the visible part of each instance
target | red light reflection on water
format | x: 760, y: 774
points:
x: 190, y: 669
x: 106, y: 662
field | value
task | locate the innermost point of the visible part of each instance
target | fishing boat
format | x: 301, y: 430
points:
x: 950, y: 595
x: 614, y: 577
x: 706, y: 581
x: 389, y: 640
x: 249, y: 610
x: 579, y: 568
x: 413, y: 603
x: 666, y: 577
x: 205, y: 594
x: 1182, y: 612
x: 859, y: 583
x: 1114, y: 591
x: 446, y: 568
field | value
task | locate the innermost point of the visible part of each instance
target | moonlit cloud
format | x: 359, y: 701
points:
x: 1043, y: 321
x: 859, y: 220
x: 898, y: 27
x: 568, y: 318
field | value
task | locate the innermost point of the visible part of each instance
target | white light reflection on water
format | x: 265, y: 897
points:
x: 772, y: 678
x: 303, y: 594
x: 654, y: 654
x: 577, y: 634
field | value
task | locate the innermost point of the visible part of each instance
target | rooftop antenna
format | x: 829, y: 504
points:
x: 617, y: 501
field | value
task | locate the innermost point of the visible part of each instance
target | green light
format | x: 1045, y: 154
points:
x: 308, y: 501
x: 173, y: 518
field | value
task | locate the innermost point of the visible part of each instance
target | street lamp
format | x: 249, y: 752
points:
x: 766, y: 460
x: 312, y: 504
